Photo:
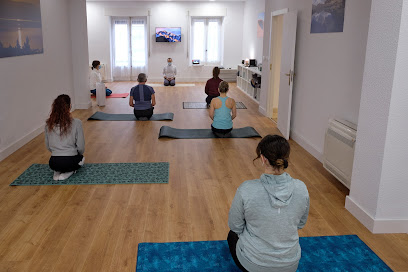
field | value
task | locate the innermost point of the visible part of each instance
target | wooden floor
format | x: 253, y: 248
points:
x: 98, y: 227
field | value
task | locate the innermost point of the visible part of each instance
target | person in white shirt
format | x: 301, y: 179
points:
x: 169, y: 73
x: 95, y: 77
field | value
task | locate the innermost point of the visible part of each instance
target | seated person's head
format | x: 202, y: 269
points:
x: 223, y: 87
x: 169, y: 61
x: 142, y: 78
x: 216, y: 72
x: 95, y: 64
x: 274, y: 150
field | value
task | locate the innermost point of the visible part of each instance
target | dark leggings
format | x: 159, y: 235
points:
x: 221, y: 133
x: 232, y: 244
x: 108, y: 92
x: 143, y: 113
x: 209, y: 98
x: 65, y: 164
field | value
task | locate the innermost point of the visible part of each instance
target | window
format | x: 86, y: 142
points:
x: 206, y: 43
x: 129, y: 47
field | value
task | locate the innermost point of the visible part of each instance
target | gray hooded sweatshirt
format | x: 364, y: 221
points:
x: 266, y: 213
x: 68, y: 145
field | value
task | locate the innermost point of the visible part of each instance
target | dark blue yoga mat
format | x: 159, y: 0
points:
x: 345, y: 253
x: 103, y: 116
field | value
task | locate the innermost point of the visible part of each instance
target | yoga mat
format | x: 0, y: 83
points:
x: 319, y: 254
x: 116, y: 95
x: 103, y: 116
x: 203, y: 105
x: 166, y: 131
x: 98, y: 173
x: 177, y: 85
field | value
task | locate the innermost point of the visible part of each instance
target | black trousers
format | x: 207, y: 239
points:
x: 221, y: 133
x: 65, y: 164
x: 143, y: 113
x: 209, y: 98
x: 232, y: 244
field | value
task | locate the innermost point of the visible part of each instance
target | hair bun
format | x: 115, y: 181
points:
x: 280, y: 162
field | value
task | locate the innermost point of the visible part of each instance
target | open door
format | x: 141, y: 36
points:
x: 287, y: 72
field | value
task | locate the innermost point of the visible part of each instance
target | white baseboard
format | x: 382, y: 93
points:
x: 83, y: 106
x: 376, y: 225
x: 21, y: 142
x: 262, y: 111
x: 306, y: 145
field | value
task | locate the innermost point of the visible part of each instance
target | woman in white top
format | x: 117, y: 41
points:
x: 95, y: 77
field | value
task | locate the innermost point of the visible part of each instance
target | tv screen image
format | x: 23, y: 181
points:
x: 168, y: 34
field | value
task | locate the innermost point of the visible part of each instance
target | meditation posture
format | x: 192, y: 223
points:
x: 95, y: 77
x: 211, y: 87
x: 169, y: 73
x: 142, y: 98
x: 64, y: 137
x: 222, y: 111
x: 267, y: 213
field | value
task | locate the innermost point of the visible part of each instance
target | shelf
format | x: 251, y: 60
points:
x: 244, y: 82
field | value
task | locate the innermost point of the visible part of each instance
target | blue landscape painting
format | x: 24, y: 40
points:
x: 327, y: 16
x: 20, y: 28
x: 168, y: 34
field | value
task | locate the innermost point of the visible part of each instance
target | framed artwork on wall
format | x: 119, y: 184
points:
x: 20, y: 28
x: 260, y: 29
x: 327, y: 16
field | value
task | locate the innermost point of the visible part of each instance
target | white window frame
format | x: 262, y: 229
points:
x: 129, y: 71
x: 206, y: 21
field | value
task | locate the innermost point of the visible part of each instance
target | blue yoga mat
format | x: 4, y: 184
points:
x: 325, y: 253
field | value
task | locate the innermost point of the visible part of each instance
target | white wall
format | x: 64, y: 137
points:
x: 329, y: 71
x: 167, y: 14
x: 252, y: 45
x: 378, y: 195
x: 29, y: 84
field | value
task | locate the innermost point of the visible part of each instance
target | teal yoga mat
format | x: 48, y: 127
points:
x: 98, y: 173
x: 103, y: 116
x: 345, y: 253
x: 169, y: 132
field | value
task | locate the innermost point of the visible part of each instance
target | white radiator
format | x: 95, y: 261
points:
x: 338, y: 152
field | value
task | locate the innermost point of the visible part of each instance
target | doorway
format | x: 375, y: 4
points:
x: 275, y: 66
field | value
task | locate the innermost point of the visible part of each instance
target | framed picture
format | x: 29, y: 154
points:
x: 327, y: 16
x: 20, y: 28
x: 260, y: 29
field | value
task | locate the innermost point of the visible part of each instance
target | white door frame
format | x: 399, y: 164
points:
x: 269, y: 107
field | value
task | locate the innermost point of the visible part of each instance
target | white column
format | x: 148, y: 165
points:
x: 80, y: 55
x: 379, y: 186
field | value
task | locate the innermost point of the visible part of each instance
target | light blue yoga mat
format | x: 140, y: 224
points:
x: 98, y: 173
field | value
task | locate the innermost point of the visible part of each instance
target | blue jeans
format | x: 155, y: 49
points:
x: 171, y: 83
x: 108, y: 92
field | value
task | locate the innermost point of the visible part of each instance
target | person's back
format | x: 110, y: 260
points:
x: 266, y: 214
x: 142, y: 96
x: 66, y: 145
x: 222, y: 113
x: 274, y: 206
x: 211, y: 87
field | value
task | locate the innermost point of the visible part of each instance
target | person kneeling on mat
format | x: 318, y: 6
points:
x: 267, y: 213
x: 142, y: 98
x: 211, y: 87
x: 222, y: 111
x: 64, y: 137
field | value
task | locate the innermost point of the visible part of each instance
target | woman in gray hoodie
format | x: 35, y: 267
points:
x: 266, y: 214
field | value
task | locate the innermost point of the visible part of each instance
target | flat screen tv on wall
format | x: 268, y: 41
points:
x: 168, y: 34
